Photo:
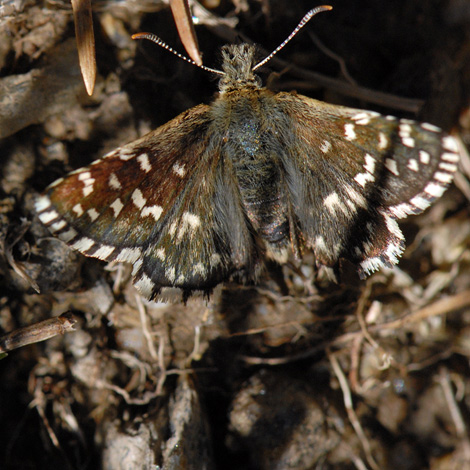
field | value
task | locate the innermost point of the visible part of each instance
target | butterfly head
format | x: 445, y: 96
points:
x: 238, y: 63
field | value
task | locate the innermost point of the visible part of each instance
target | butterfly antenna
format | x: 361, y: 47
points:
x: 302, y: 23
x: 157, y: 40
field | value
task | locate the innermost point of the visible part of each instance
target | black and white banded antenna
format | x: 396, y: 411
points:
x: 154, y: 38
x: 302, y: 23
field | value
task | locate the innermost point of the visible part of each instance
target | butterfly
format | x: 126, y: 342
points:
x: 216, y: 191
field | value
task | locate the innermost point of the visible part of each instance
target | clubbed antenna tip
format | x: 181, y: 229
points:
x: 302, y: 23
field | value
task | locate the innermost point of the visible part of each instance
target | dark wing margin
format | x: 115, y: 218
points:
x: 352, y: 173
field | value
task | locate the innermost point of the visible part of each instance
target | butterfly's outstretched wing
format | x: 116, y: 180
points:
x: 351, y: 173
x: 166, y: 203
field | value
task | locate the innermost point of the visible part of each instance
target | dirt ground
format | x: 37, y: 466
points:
x: 297, y: 372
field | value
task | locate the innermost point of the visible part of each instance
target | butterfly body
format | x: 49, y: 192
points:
x: 207, y: 196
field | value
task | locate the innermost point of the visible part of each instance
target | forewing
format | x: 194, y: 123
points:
x: 157, y: 203
x: 351, y: 173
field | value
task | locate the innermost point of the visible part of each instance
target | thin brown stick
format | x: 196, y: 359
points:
x: 348, y: 404
x: 38, y: 332
x: 440, y: 307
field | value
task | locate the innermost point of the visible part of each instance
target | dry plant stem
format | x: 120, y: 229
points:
x: 38, y: 332
x: 355, y: 361
x: 118, y: 281
x: 185, y: 26
x: 125, y: 394
x: 85, y: 42
x: 328, y: 52
x: 39, y: 402
x: 131, y: 362
x: 440, y: 307
x: 360, y: 315
x: 161, y: 363
x: 461, y: 430
x: 195, y: 355
x: 145, y: 327
x: 348, y: 404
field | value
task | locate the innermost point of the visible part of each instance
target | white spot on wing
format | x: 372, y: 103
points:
x: 325, y: 146
x: 129, y: 255
x: 84, y: 176
x: 383, y: 141
x: 154, y: 211
x: 370, y: 265
x: 445, y: 178
x: 138, y: 198
x: 370, y: 163
x: 404, y: 131
x: 48, y: 217
x: 408, y: 142
x: 363, y: 118
x: 413, y: 165
x: 192, y: 220
x: 70, y: 234
x: 144, y: 163
x: 114, y: 182
x: 333, y: 202
x: 93, y: 214
x: 450, y: 157
x: 349, y: 131
x: 430, y: 127
x: 117, y: 206
x: 449, y: 143
x: 393, y: 227
x: 179, y: 169
x: 83, y: 244
x: 88, y: 182
x: 401, y: 210
x: 448, y: 167
x: 58, y: 226
x: 320, y: 243
x: 104, y: 252
x: 200, y: 269
x: 78, y: 209
x: 170, y: 274
x: 434, y: 189
x: 42, y: 203
x: 136, y: 266
x: 363, y: 178
x: 126, y: 154
x: 355, y: 196
x: 145, y: 285
x: 391, y: 166
x: 420, y: 202
x: 424, y: 157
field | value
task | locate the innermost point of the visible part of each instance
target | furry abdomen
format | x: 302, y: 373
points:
x: 252, y: 147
